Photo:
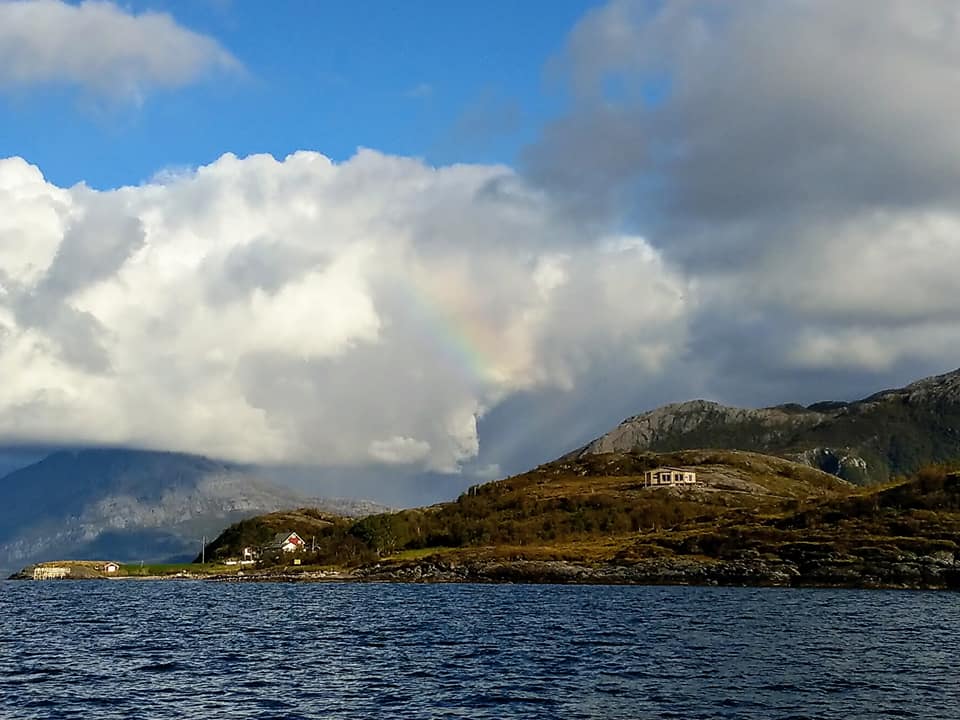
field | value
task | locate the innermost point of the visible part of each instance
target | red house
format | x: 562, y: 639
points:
x: 285, y: 542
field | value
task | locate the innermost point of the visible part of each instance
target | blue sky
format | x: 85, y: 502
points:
x: 445, y: 81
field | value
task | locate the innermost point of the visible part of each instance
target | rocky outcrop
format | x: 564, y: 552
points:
x: 843, y: 464
x: 889, y: 433
x: 684, y: 426
x: 807, y: 566
x: 938, y: 388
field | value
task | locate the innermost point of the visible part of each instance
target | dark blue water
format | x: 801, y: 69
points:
x: 196, y: 650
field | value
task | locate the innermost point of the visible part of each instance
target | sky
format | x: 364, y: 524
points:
x: 446, y: 82
x: 394, y: 249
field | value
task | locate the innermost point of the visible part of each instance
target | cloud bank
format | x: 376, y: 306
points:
x: 305, y: 311
x: 799, y: 158
x: 101, y: 48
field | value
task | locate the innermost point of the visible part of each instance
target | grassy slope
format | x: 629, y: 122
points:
x: 589, y: 508
x: 903, y: 534
x: 916, y: 516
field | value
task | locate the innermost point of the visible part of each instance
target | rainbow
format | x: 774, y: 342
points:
x: 469, y: 348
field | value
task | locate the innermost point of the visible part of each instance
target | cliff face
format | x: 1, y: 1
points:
x: 891, y: 432
x: 699, y: 424
x: 126, y: 505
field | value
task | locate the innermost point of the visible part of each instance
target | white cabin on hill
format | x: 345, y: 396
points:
x: 661, y: 476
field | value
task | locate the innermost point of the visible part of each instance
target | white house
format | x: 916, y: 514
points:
x: 110, y: 567
x: 285, y: 542
x: 669, y: 476
x: 49, y: 572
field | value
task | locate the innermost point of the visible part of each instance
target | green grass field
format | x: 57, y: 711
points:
x: 159, y: 569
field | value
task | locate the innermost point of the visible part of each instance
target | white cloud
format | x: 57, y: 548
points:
x: 868, y: 348
x: 819, y: 350
x: 883, y: 268
x: 399, y: 450
x: 306, y: 311
x: 101, y: 48
x: 420, y: 91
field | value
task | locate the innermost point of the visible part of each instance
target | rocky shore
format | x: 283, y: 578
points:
x: 880, y: 569
x: 802, y: 564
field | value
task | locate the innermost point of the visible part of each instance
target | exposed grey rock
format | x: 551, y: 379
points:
x: 891, y: 432
x: 807, y: 566
x: 651, y: 430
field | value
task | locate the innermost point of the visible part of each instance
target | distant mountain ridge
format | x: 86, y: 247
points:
x: 888, y: 433
x: 131, y: 505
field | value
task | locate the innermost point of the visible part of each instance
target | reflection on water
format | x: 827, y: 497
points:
x: 200, y: 650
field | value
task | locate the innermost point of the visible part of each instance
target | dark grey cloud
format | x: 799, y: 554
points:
x: 798, y: 159
x: 593, y: 161
x: 763, y: 108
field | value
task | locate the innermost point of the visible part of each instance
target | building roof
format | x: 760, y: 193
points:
x: 280, y: 539
x: 668, y: 467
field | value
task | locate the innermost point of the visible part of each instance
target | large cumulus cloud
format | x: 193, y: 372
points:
x: 367, y: 312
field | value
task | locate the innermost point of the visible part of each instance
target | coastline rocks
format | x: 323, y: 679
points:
x: 799, y: 564
x: 879, y: 569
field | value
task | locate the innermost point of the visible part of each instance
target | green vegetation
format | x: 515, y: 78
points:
x: 165, y: 569
x: 781, y: 521
x: 755, y: 519
x: 308, y: 523
x: 916, y: 516
x: 564, y: 504
x: 94, y: 569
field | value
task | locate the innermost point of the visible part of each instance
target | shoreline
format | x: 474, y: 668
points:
x: 925, y: 573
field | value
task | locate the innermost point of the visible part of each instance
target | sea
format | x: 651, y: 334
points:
x: 192, y: 649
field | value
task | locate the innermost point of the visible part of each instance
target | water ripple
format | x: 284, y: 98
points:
x: 173, y: 650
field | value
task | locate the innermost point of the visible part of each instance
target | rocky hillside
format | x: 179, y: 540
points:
x: 890, y: 433
x: 128, y: 505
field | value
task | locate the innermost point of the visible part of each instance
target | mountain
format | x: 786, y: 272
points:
x: 890, y: 433
x: 131, y: 505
